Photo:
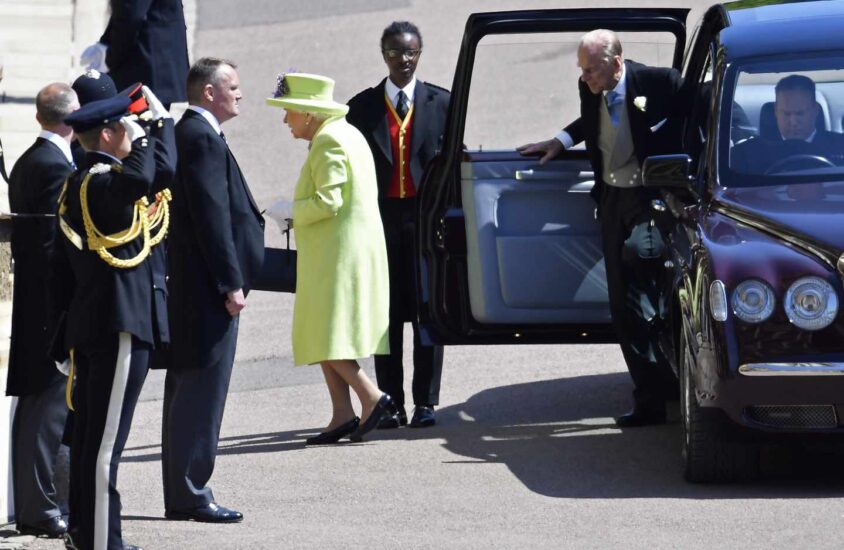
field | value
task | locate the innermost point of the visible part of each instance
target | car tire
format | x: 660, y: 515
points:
x: 709, y: 456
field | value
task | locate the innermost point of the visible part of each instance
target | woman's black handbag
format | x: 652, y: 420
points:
x: 278, y: 274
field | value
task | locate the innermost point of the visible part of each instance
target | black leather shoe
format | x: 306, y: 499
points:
x: 53, y: 528
x: 640, y: 417
x: 423, y: 417
x: 335, y: 435
x: 385, y: 406
x: 393, y: 420
x: 210, y: 513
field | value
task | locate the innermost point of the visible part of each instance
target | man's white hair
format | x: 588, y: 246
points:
x: 606, y: 39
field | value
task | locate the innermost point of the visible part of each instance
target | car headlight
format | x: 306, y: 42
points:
x: 753, y: 301
x: 811, y: 303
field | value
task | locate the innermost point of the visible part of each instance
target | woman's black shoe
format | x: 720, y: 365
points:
x: 384, y: 407
x: 335, y: 435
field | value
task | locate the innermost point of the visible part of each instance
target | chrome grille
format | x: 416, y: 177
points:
x: 793, y: 416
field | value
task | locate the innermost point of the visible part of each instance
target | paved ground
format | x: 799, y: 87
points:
x: 525, y: 453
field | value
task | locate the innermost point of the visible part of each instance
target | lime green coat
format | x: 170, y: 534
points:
x: 342, y: 282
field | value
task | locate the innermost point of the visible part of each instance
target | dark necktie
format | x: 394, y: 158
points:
x: 222, y: 135
x: 401, y: 104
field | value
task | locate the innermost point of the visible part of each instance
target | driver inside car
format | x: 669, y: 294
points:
x: 798, y: 143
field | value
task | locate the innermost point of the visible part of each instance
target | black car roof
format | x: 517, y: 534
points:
x: 763, y: 27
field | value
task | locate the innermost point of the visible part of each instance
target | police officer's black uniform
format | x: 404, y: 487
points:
x: 102, y: 277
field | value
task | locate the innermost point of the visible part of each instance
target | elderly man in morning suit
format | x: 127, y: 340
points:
x: 627, y: 113
x: 403, y: 119
x: 216, y: 251
x: 34, y: 187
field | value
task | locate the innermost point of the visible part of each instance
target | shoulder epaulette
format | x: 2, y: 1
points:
x: 99, y: 168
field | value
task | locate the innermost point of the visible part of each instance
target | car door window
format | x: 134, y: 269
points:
x: 524, y: 86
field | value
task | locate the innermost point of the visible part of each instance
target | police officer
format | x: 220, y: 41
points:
x: 102, y: 277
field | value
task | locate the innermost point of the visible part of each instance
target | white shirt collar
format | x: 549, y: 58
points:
x: 809, y: 139
x: 621, y: 87
x: 392, y: 90
x: 212, y: 120
x: 59, y: 142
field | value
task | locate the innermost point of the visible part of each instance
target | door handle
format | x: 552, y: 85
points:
x: 531, y: 174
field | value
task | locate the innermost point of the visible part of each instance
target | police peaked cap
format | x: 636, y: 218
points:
x: 98, y: 113
x: 93, y: 86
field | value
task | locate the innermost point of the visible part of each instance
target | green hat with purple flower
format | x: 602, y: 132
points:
x: 307, y: 93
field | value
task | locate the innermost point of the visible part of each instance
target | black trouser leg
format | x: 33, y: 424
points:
x: 389, y: 372
x: 109, y: 380
x: 427, y: 371
x: 194, y: 401
x: 36, y: 437
x: 625, y: 217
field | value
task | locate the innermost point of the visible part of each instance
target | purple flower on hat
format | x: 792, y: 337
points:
x: 282, y: 88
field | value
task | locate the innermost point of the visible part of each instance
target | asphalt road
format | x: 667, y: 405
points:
x: 525, y: 453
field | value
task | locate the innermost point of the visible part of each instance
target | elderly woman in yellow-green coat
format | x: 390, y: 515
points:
x: 342, y: 282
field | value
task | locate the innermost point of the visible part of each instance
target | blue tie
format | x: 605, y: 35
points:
x: 614, y: 102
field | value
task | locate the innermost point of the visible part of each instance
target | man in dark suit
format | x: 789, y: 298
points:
x: 627, y: 113
x: 798, y: 143
x: 215, y: 253
x: 145, y: 41
x: 36, y: 181
x: 101, y: 277
x: 403, y: 119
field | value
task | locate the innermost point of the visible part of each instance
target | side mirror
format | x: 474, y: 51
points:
x: 672, y: 171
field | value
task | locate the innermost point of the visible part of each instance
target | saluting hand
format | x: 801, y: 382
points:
x: 235, y: 302
x: 549, y: 149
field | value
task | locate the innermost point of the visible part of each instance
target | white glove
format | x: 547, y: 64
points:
x: 155, y: 106
x: 94, y: 57
x: 133, y: 129
x: 63, y: 367
x: 282, y: 212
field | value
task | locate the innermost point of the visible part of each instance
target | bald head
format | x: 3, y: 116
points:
x: 53, y: 103
x: 600, y: 60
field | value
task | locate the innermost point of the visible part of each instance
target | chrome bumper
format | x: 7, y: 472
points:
x: 792, y: 369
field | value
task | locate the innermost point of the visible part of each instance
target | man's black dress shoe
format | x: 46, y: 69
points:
x: 52, y: 528
x: 423, y: 417
x: 384, y: 407
x: 335, y: 435
x: 393, y: 420
x: 210, y: 513
x: 640, y: 417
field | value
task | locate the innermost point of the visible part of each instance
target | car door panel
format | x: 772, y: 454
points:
x: 533, y: 244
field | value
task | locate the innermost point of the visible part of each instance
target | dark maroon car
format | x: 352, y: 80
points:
x: 510, y: 251
x: 756, y: 245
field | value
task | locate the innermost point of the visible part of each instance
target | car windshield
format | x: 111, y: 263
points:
x: 782, y: 122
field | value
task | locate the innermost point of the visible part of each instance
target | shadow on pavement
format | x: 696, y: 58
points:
x: 238, y: 444
x: 558, y: 438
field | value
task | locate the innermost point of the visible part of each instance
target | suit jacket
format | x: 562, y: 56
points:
x: 368, y: 113
x: 34, y: 188
x: 757, y: 154
x: 147, y: 43
x: 100, y: 299
x: 662, y: 89
x: 216, y: 242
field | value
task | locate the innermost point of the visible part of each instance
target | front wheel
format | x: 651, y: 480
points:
x: 708, y: 454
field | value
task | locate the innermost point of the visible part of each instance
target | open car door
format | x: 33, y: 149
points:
x: 510, y: 251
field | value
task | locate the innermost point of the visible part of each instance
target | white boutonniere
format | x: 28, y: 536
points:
x: 641, y: 102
